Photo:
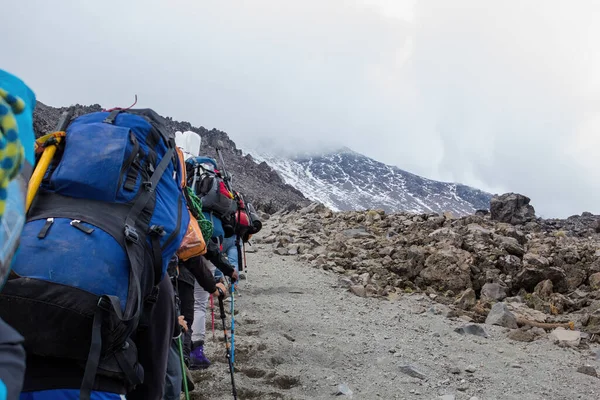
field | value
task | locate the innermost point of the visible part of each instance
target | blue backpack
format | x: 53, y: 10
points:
x: 109, y: 216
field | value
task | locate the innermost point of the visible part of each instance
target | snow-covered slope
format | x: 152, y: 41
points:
x: 347, y: 180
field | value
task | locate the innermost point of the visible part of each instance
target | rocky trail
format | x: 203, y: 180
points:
x: 300, y: 334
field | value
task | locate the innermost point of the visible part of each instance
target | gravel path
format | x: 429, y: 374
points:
x: 299, y: 336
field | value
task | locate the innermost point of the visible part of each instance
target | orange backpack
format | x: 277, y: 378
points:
x: 193, y: 243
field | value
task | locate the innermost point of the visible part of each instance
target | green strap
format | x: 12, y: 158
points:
x: 195, y: 204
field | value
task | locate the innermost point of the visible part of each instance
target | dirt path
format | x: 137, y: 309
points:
x: 298, y: 336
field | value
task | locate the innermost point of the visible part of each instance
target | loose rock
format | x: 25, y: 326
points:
x: 521, y: 336
x: 412, y: 371
x: 471, y: 329
x: 565, y: 338
x: 588, y: 370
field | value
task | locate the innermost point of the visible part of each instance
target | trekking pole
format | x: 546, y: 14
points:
x: 50, y: 143
x: 179, y: 339
x: 226, y: 177
x: 227, y: 353
x: 232, y: 290
x: 212, y: 312
x: 245, y: 263
x: 185, y: 383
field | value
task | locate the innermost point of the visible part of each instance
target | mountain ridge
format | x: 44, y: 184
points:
x: 259, y: 183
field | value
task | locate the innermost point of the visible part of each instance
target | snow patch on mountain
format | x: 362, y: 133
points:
x: 347, y: 180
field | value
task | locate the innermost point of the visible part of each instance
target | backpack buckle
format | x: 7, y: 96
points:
x: 157, y: 230
x: 131, y: 234
x: 103, y: 304
x: 148, y: 186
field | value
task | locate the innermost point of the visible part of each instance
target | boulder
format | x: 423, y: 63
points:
x: 493, y: 292
x: 448, y: 269
x: 501, y: 316
x: 544, y: 289
x: 512, y: 208
x: 594, y: 280
x: 313, y: 208
x: 466, y: 300
x: 358, y: 290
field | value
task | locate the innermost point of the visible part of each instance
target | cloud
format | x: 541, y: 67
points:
x: 501, y: 95
x: 509, y: 88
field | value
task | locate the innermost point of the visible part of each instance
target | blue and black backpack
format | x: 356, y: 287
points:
x: 108, y: 217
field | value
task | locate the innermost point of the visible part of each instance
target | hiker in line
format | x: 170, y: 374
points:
x: 17, y: 101
x: 195, y: 292
x: 183, y: 276
x: 197, y: 281
x: 201, y: 294
x: 202, y: 271
x: 175, y: 374
x: 154, y: 344
x: 247, y: 223
x: 90, y: 294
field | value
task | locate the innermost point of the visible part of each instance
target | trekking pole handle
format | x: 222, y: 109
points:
x: 222, y: 307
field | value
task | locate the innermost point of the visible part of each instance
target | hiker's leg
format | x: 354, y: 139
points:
x: 174, y: 374
x: 200, y: 303
x: 197, y: 358
x: 153, y: 345
x: 231, y: 251
x: 186, y: 295
x: 232, y: 256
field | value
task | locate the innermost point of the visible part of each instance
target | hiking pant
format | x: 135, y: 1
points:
x: 186, y: 296
x: 200, y: 302
x: 154, y: 343
x: 174, y: 374
x: 230, y: 249
x: 12, y: 361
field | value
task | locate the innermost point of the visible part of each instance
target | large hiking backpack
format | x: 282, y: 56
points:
x: 247, y: 220
x: 210, y: 187
x: 109, y: 216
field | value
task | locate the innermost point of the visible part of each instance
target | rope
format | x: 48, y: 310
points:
x: 195, y: 204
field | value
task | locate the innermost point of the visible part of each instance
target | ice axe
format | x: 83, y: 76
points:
x: 47, y: 145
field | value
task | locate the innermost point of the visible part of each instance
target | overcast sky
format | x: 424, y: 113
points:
x: 502, y: 95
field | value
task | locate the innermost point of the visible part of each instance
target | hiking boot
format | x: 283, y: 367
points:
x: 197, y: 358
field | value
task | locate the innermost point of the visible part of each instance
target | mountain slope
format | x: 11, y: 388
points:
x: 347, y: 180
x: 260, y: 184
